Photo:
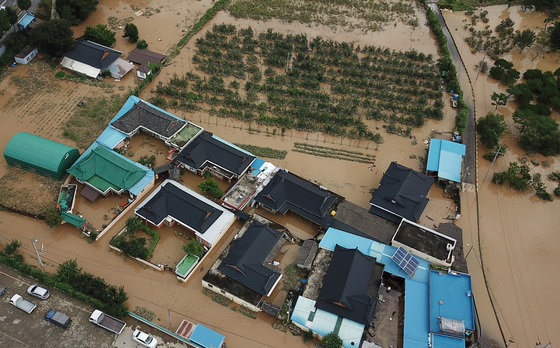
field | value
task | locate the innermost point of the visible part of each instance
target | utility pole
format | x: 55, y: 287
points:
x: 37, y: 252
x: 480, y: 64
x: 497, y: 153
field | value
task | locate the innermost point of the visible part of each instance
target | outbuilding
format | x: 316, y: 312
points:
x: 40, y: 155
x: 26, y: 55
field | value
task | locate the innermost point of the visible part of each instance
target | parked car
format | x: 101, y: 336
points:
x: 2, y: 289
x: 58, y: 318
x: 144, y: 339
x: 39, y: 292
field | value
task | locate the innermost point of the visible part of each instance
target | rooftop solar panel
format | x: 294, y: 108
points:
x: 405, y: 261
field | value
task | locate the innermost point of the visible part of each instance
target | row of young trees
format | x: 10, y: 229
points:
x: 292, y: 74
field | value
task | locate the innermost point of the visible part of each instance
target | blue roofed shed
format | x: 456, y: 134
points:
x: 446, y: 157
x: 416, y: 314
x: 26, y: 20
x: 206, y: 337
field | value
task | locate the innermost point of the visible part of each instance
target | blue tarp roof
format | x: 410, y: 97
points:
x: 26, y: 20
x: 446, y: 157
x: 416, y: 314
x: 380, y: 251
x: 206, y: 337
x: 440, y: 341
x: 451, y: 297
x: 257, y: 164
x: 324, y: 322
x: 111, y: 137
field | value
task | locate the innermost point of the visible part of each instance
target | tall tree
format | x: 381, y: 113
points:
x: 100, y: 34
x: 4, y: 22
x: 24, y: 5
x: 499, y: 99
x: 537, y: 132
x: 491, y: 129
x: 75, y: 11
x: 12, y: 15
x: 54, y: 37
x: 555, y: 36
x: 131, y: 32
x: 524, y: 38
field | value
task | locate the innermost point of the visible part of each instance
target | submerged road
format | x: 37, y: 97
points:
x: 469, y: 136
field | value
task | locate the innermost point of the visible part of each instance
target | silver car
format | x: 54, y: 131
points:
x: 39, y: 292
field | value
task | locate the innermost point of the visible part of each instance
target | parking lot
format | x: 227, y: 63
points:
x: 19, y: 329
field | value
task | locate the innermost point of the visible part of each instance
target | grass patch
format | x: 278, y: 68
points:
x: 331, y: 152
x: 261, y: 151
x: 89, y: 120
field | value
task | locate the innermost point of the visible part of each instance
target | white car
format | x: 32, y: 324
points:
x: 144, y: 339
x: 39, y: 292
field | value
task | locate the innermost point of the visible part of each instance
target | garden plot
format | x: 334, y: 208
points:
x: 288, y: 81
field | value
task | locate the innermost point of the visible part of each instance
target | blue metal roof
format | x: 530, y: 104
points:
x: 26, y: 20
x: 440, y: 341
x: 111, y: 137
x: 323, y: 322
x: 206, y: 337
x: 380, y: 251
x: 451, y: 297
x: 416, y: 314
x: 257, y: 164
x: 446, y: 157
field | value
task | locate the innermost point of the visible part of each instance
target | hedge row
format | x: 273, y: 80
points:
x: 16, y: 262
x: 446, y: 65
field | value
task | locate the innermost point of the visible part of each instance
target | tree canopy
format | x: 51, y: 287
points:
x: 24, y: 5
x: 555, y: 36
x: 537, y: 132
x: 75, y: 11
x: 491, y: 129
x: 504, y: 71
x: 53, y: 37
x: 524, y: 38
x: 131, y: 32
x: 4, y: 22
x: 100, y: 34
x: 12, y: 15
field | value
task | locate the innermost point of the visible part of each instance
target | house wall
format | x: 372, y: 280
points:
x: 27, y: 58
x: 235, y: 299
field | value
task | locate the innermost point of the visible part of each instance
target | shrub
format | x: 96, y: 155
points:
x: 210, y: 186
x: 491, y: 129
x: 53, y: 218
x: 193, y: 247
x: 332, y: 341
x: 142, y: 44
x: 131, y: 31
x: 60, y: 74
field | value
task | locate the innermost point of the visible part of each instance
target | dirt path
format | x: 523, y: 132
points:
x: 518, y: 232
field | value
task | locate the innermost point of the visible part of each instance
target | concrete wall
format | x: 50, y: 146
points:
x: 235, y: 299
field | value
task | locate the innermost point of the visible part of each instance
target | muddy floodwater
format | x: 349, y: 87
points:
x: 518, y: 231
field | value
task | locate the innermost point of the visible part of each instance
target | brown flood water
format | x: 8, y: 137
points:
x: 518, y: 231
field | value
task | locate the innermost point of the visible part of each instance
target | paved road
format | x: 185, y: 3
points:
x: 469, y: 137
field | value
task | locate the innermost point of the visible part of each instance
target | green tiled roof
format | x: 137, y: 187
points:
x: 103, y: 169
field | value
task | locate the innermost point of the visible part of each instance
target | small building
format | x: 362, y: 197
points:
x: 173, y: 203
x: 206, y: 337
x: 105, y: 171
x: 26, y: 55
x: 246, y: 272
x: 89, y: 58
x: 289, y: 192
x: 120, y: 68
x: 208, y: 153
x: 27, y: 22
x: 401, y: 194
x: 431, y: 245
x: 40, y: 155
x: 143, y: 57
x: 445, y: 159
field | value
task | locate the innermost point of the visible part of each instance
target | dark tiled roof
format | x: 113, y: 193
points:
x: 25, y: 51
x: 93, y: 54
x: 207, y: 148
x: 172, y: 201
x: 287, y: 191
x: 144, y: 115
x: 350, y: 286
x: 141, y: 56
x: 244, y: 263
x: 401, y: 191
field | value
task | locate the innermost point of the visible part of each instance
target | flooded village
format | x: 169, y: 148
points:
x: 250, y: 173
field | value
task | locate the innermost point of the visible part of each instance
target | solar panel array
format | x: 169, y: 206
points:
x: 405, y: 261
